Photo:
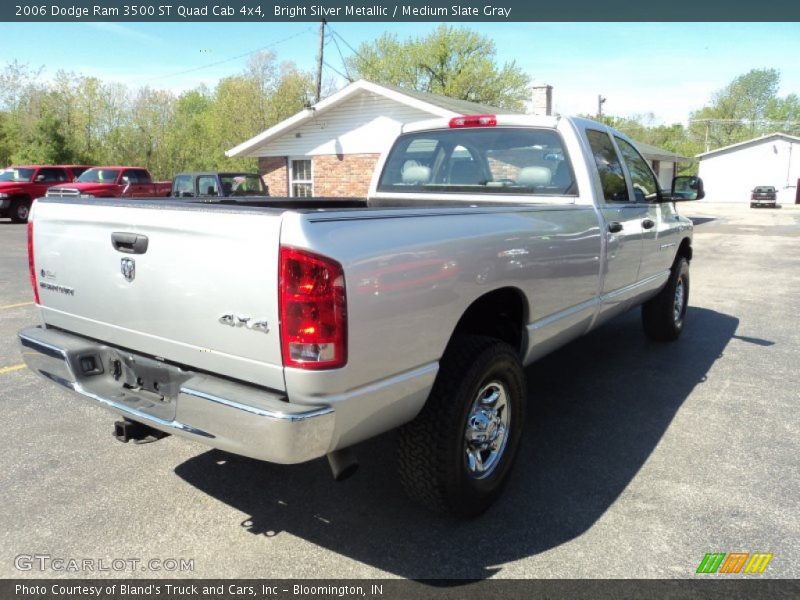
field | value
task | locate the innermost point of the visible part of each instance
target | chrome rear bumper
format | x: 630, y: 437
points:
x: 231, y: 416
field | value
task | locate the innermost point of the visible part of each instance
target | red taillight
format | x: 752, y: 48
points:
x: 32, y: 263
x: 313, y: 310
x: 473, y: 121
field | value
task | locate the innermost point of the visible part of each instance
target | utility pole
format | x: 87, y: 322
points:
x: 600, y: 102
x: 319, y: 60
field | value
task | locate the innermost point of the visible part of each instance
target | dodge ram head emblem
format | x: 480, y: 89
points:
x: 128, y: 268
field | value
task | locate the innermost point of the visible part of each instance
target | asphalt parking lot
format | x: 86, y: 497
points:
x: 638, y: 458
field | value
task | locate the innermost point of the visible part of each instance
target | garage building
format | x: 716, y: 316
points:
x: 729, y: 174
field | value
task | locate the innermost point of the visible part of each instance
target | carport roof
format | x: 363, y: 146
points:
x: 656, y: 153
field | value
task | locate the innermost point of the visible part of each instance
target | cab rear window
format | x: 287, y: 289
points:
x: 492, y: 160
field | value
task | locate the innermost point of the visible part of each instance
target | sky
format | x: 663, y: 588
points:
x: 667, y: 69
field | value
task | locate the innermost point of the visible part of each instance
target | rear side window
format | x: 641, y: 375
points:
x: 609, y: 166
x: 207, y: 186
x: 51, y: 175
x: 183, y: 186
x: 493, y: 160
x: 142, y: 176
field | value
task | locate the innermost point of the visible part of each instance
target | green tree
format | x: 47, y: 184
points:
x: 745, y: 108
x: 188, y: 137
x: 47, y: 144
x: 450, y: 61
x: 5, y: 151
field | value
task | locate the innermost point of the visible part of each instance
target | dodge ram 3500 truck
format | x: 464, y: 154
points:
x: 212, y: 184
x: 20, y: 185
x: 290, y: 329
x: 114, y: 182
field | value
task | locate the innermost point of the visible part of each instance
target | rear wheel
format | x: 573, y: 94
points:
x: 20, y: 209
x: 663, y: 317
x: 456, y: 455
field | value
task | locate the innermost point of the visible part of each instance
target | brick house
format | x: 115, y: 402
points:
x: 330, y: 149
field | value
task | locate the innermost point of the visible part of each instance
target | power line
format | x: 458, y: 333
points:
x: 346, y: 43
x: 339, y: 73
x: 744, y: 121
x: 341, y: 56
x: 227, y: 60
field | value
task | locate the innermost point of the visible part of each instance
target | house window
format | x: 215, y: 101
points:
x: 301, y: 184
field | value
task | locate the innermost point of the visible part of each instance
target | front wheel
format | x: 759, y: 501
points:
x: 20, y: 209
x: 663, y: 317
x: 456, y: 455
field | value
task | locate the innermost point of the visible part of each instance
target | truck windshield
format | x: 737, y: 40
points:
x: 15, y: 174
x: 492, y: 160
x: 99, y: 176
x: 242, y: 185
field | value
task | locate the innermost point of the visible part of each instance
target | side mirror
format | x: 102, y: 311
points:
x: 686, y: 187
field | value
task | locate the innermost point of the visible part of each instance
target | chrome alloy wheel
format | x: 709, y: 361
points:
x: 679, y: 302
x: 485, y: 435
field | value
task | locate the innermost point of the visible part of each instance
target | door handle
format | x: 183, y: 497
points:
x: 129, y: 243
x: 614, y: 227
x: 648, y: 224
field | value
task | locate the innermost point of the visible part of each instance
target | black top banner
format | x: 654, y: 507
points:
x: 398, y: 10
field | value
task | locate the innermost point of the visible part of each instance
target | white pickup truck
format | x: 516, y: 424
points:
x: 289, y: 329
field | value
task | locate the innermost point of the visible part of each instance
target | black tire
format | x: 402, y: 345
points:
x: 20, y: 210
x: 433, y: 449
x: 664, y: 316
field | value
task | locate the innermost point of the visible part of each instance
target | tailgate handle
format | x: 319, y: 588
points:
x: 129, y: 243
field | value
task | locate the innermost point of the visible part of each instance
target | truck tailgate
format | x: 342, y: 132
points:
x: 204, y: 293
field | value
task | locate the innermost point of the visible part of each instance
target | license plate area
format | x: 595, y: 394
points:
x: 138, y: 382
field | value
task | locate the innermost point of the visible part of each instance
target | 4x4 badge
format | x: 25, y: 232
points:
x: 128, y: 268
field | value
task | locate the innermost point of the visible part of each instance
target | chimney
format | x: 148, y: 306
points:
x: 542, y: 100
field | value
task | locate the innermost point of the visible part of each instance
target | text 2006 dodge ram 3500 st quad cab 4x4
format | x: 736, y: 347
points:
x: 290, y: 329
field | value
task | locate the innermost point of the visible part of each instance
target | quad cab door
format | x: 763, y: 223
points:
x: 624, y: 221
x: 657, y: 238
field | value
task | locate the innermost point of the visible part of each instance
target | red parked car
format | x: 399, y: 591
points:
x: 114, y: 182
x: 22, y: 184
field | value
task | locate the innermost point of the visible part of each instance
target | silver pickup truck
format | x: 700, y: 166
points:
x: 288, y: 329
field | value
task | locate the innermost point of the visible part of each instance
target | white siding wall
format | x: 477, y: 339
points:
x: 729, y: 177
x: 364, y: 124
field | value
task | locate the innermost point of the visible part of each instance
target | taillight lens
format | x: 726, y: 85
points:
x: 313, y: 310
x: 32, y: 263
x: 473, y: 121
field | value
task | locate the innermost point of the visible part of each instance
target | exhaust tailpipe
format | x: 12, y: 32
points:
x: 343, y: 463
